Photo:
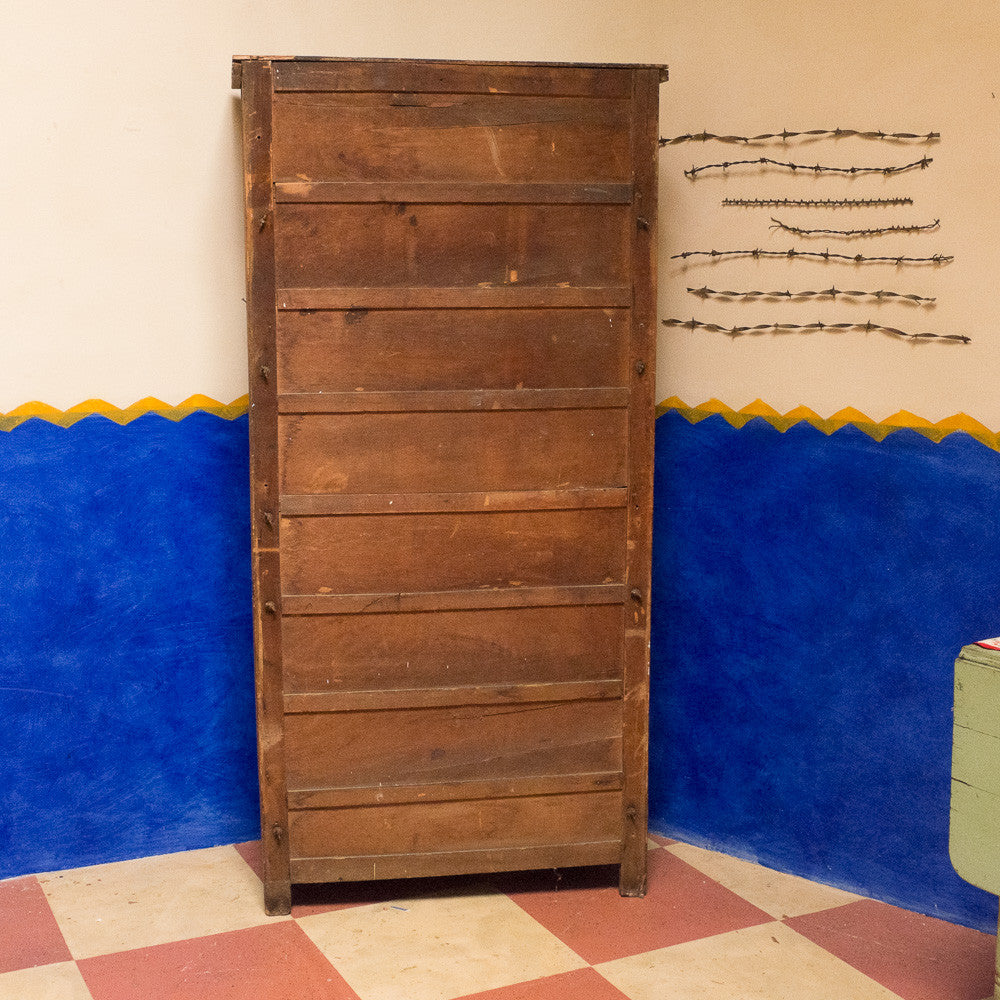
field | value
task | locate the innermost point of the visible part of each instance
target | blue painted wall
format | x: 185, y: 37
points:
x: 811, y: 594
x: 126, y: 665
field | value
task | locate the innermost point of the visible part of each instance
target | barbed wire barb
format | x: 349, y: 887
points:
x: 818, y: 168
x: 784, y: 135
x: 853, y: 233
x: 794, y: 254
x: 814, y: 202
x: 826, y: 293
x: 869, y: 327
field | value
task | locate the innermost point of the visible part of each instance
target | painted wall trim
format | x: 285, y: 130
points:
x: 877, y: 429
x: 98, y: 407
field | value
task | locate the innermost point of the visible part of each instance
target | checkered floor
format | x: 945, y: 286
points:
x: 191, y: 927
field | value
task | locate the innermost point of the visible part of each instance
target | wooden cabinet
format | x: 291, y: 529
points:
x: 451, y: 333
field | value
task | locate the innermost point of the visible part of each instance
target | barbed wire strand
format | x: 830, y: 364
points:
x: 853, y: 233
x: 818, y: 168
x: 785, y: 135
x: 869, y: 327
x: 826, y: 293
x: 793, y: 254
x: 814, y: 202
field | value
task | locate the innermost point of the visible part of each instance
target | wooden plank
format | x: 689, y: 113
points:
x: 450, y: 77
x: 483, y: 825
x: 366, y: 867
x: 640, y: 503
x: 256, y: 111
x: 451, y: 138
x: 435, y: 697
x: 495, y: 788
x: 439, y: 401
x: 452, y: 600
x: 407, y: 350
x: 485, y: 296
x: 452, y: 743
x: 444, y: 192
x: 435, y: 503
x: 426, y: 552
x: 451, y: 245
x: 454, y: 452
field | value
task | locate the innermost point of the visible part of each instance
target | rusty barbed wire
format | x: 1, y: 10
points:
x: 814, y: 202
x: 825, y: 293
x: 869, y: 327
x: 852, y: 233
x: 784, y: 135
x: 793, y: 254
x: 818, y: 168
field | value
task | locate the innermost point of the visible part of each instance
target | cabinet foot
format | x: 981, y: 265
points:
x: 277, y: 899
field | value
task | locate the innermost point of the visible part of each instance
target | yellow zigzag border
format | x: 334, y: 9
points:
x: 98, y: 407
x: 879, y: 430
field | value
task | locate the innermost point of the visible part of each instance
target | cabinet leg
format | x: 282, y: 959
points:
x: 632, y: 877
x: 277, y: 899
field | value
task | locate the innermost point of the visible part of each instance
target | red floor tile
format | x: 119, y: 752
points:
x: 662, y: 841
x: 917, y: 957
x: 271, y: 962
x: 681, y: 905
x: 29, y: 934
x: 583, y: 984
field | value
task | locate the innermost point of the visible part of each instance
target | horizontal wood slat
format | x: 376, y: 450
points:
x: 472, y: 694
x: 320, y: 75
x: 455, y: 791
x: 448, y: 192
x: 378, y: 866
x: 607, y: 397
x: 480, y: 825
x: 453, y: 451
x: 415, y: 350
x: 612, y: 296
x: 366, y: 553
x: 434, y: 503
x: 452, y: 600
x: 500, y: 647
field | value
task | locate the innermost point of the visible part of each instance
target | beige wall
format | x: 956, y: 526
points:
x: 123, y: 273
x: 899, y: 65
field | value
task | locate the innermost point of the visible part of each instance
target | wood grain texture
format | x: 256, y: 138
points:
x: 452, y: 743
x: 484, y: 824
x: 484, y: 296
x: 490, y: 138
x: 458, y: 451
x: 645, y: 83
x: 444, y: 76
x: 465, y: 192
x: 447, y: 245
x: 497, y: 646
x: 424, y: 350
x: 410, y: 865
x: 256, y: 109
x: 434, y: 552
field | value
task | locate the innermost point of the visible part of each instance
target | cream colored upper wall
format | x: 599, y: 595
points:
x: 760, y: 66
x: 123, y: 275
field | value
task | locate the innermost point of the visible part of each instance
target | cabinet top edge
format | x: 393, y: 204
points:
x: 238, y: 61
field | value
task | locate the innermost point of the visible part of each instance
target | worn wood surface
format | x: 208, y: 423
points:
x: 451, y: 308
